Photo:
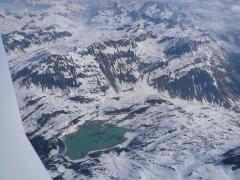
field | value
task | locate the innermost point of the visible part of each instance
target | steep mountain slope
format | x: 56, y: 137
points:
x: 147, y: 66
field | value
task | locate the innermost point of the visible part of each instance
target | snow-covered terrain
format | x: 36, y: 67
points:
x: 16, y: 161
x: 158, y: 68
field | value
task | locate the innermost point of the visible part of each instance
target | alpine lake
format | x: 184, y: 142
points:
x: 92, y: 136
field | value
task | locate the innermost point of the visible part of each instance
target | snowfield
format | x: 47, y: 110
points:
x: 153, y: 67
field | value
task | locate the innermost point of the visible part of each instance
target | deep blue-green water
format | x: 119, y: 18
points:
x: 92, y: 136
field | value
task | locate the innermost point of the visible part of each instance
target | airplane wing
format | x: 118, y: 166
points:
x: 18, y: 159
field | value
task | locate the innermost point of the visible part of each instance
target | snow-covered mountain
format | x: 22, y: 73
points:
x: 155, y: 67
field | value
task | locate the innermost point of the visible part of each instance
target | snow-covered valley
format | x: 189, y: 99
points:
x: 147, y: 66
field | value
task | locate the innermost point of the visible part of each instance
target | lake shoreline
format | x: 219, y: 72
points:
x: 126, y: 139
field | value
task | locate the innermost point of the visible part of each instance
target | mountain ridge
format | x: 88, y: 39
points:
x: 145, y: 66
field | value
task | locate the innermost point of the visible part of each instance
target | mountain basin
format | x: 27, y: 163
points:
x: 92, y: 136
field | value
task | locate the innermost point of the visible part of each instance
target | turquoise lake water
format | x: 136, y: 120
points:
x: 92, y: 136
